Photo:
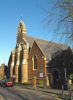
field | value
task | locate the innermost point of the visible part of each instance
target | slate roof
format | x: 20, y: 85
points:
x: 63, y: 60
x: 50, y: 49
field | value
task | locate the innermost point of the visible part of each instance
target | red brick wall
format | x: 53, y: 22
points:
x: 35, y: 50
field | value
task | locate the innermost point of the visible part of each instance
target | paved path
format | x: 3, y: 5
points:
x: 6, y: 94
x: 51, y: 91
x: 1, y: 97
x: 33, y: 94
x: 47, y: 90
x: 22, y: 93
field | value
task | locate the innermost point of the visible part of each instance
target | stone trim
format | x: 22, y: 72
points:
x: 17, y: 63
x: 12, y: 64
x: 24, y: 61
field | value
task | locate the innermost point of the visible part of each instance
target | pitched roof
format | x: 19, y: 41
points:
x: 63, y: 60
x: 49, y: 48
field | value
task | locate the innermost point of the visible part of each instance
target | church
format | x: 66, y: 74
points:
x: 29, y: 60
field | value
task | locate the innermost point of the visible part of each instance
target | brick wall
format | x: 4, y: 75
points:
x: 40, y: 72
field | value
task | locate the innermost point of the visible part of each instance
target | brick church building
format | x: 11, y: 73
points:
x: 29, y: 59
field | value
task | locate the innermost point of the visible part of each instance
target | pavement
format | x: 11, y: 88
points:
x: 1, y: 97
x: 64, y: 96
x: 57, y: 92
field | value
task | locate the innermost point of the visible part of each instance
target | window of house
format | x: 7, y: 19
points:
x: 34, y: 62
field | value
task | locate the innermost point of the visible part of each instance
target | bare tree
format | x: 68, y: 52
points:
x: 62, y: 16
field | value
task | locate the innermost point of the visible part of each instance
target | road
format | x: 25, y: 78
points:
x: 20, y: 93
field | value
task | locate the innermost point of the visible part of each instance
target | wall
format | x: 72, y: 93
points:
x: 40, y: 72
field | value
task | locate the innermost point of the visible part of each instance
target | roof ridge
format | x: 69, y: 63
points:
x: 50, y: 42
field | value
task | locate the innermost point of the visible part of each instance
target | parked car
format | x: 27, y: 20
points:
x: 9, y: 83
x: 2, y: 83
x: 6, y: 82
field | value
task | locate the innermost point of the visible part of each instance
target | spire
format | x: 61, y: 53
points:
x: 21, y: 27
x: 21, y: 34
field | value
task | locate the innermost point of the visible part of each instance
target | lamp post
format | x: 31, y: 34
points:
x: 65, y: 71
x: 70, y: 95
x: 68, y: 85
x: 65, y: 83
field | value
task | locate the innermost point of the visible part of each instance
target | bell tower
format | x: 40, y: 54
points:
x: 21, y: 34
x: 21, y: 54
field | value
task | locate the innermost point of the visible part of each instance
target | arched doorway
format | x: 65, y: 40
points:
x: 56, y: 79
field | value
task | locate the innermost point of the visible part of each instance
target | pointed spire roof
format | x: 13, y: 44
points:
x: 22, y: 23
x: 21, y: 27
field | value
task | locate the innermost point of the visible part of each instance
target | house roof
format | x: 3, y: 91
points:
x: 50, y: 49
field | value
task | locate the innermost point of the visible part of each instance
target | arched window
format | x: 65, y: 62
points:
x: 34, y: 62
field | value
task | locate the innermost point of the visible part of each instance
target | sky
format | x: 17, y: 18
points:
x: 33, y: 13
